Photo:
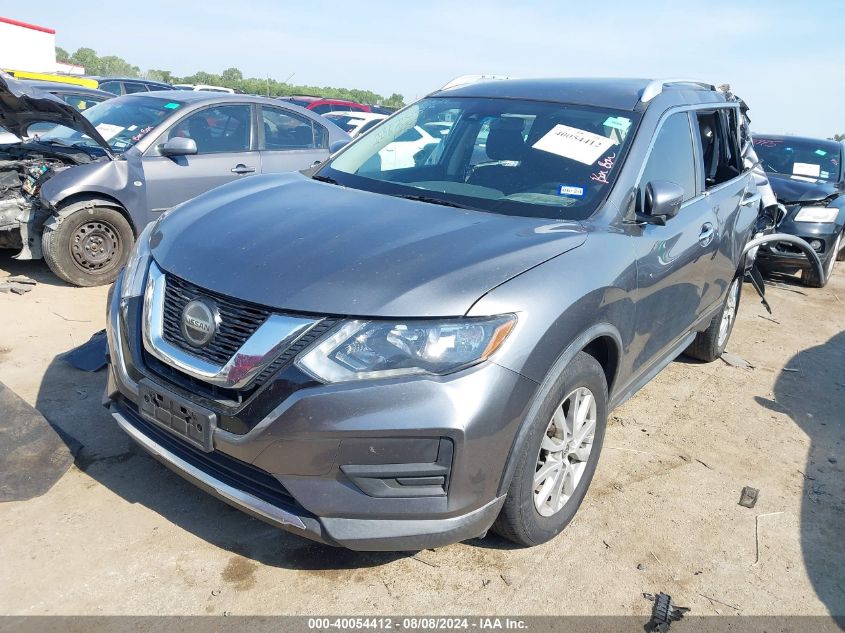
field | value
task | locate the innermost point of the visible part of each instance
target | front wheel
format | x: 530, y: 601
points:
x: 559, y: 456
x: 709, y: 344
x: 89, y: 246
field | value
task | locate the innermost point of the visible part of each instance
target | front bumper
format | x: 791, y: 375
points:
x: 401, y: 464
x: 789, y: 258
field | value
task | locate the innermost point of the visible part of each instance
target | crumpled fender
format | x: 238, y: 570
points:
x: 109, y: 178
x: 60, y: 215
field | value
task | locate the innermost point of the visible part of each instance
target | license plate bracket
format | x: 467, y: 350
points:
x: 181, y: 417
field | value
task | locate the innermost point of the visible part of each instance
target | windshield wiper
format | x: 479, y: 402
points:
x: 432, y: 200
x: 52, y: 141
x: 327, y: 179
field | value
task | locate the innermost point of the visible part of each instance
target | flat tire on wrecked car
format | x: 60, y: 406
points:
x: 709, y: 344
x: 559, y: 457
x: 89, y: 246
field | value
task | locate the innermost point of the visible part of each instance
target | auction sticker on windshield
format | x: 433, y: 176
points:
x: 107, y: 130
x: 571, y: 142
x: 806, y: 169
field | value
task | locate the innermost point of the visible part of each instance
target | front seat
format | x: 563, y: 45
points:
x: 201, y: 133
x: 504, y: 143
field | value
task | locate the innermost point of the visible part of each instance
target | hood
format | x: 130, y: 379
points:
x: 296, y: 244
x: 789, y: 189
x: 22, y: 105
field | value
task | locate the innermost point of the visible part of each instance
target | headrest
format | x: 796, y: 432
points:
x: 504, y: 141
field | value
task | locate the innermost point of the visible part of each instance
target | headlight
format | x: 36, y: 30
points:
x: 817, y: 214
x: 378, y: 349
x: 137, y: 264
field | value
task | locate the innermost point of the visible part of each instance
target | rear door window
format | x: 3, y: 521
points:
x: 671, y: 157
x: 719, y: 155
x: 133, y: 87
x: 111, y: 86
x: 287, y: 130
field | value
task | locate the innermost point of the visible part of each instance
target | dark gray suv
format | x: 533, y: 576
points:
x: 399, y: 358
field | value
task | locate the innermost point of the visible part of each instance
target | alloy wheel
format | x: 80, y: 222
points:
x: 564, y: 452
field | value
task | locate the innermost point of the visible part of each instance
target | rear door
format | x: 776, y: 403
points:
x: 226, y: 150
x: 675, y: 270
x: 290, y: 141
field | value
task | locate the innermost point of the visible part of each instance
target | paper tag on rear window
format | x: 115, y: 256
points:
x: 570, y: 142
x: 806, y: 169
x: 107, y: 130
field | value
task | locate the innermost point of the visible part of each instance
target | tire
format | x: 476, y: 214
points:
x: 809, y: 276
x: 709, y: 344
x: 531, y: 515
x: 89, y: 246
x: 840, y: 256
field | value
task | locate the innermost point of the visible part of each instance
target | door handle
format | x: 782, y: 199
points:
x: 707, y: 234
x: 243, y: 169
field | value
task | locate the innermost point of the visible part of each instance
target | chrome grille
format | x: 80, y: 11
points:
x: 238, y: 320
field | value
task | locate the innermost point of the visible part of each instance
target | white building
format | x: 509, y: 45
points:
x: 27, y: 47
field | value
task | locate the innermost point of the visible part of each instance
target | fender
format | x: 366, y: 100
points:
x: 66, y: 211
x: 582, y: 341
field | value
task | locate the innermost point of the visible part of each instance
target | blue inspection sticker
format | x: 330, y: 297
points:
x: 618, y: 123
x: 172, y: 106
x: 821, y: 152
x: 569, y: 190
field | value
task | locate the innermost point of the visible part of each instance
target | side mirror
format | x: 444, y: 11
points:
x: 338, y: 145
x: 662, y: 202
x: 179, y: 146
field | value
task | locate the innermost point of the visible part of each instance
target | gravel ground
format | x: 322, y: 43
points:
x: 119, y: 534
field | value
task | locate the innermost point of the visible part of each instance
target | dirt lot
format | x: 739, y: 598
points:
x: 119, y: 534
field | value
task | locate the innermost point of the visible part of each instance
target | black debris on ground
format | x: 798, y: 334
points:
x: 748, y: 497
x: 663, y: 613
x: 90, y: 356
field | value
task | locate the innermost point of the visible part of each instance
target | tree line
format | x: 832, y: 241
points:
x: 111, y: 65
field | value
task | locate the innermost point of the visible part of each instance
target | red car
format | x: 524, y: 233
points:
x: 322, y: 105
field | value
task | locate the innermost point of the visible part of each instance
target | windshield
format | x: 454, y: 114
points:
x: 121, y: 122
x: 802, y: 160
x: 507, y: 156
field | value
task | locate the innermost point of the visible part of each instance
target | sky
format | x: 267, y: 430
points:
x: 782, y: 57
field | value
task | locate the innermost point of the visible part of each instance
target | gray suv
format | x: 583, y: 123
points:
x: 401, y: 357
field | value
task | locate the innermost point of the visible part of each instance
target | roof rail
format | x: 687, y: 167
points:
x: 655, y: 87
x: 471, y: 79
